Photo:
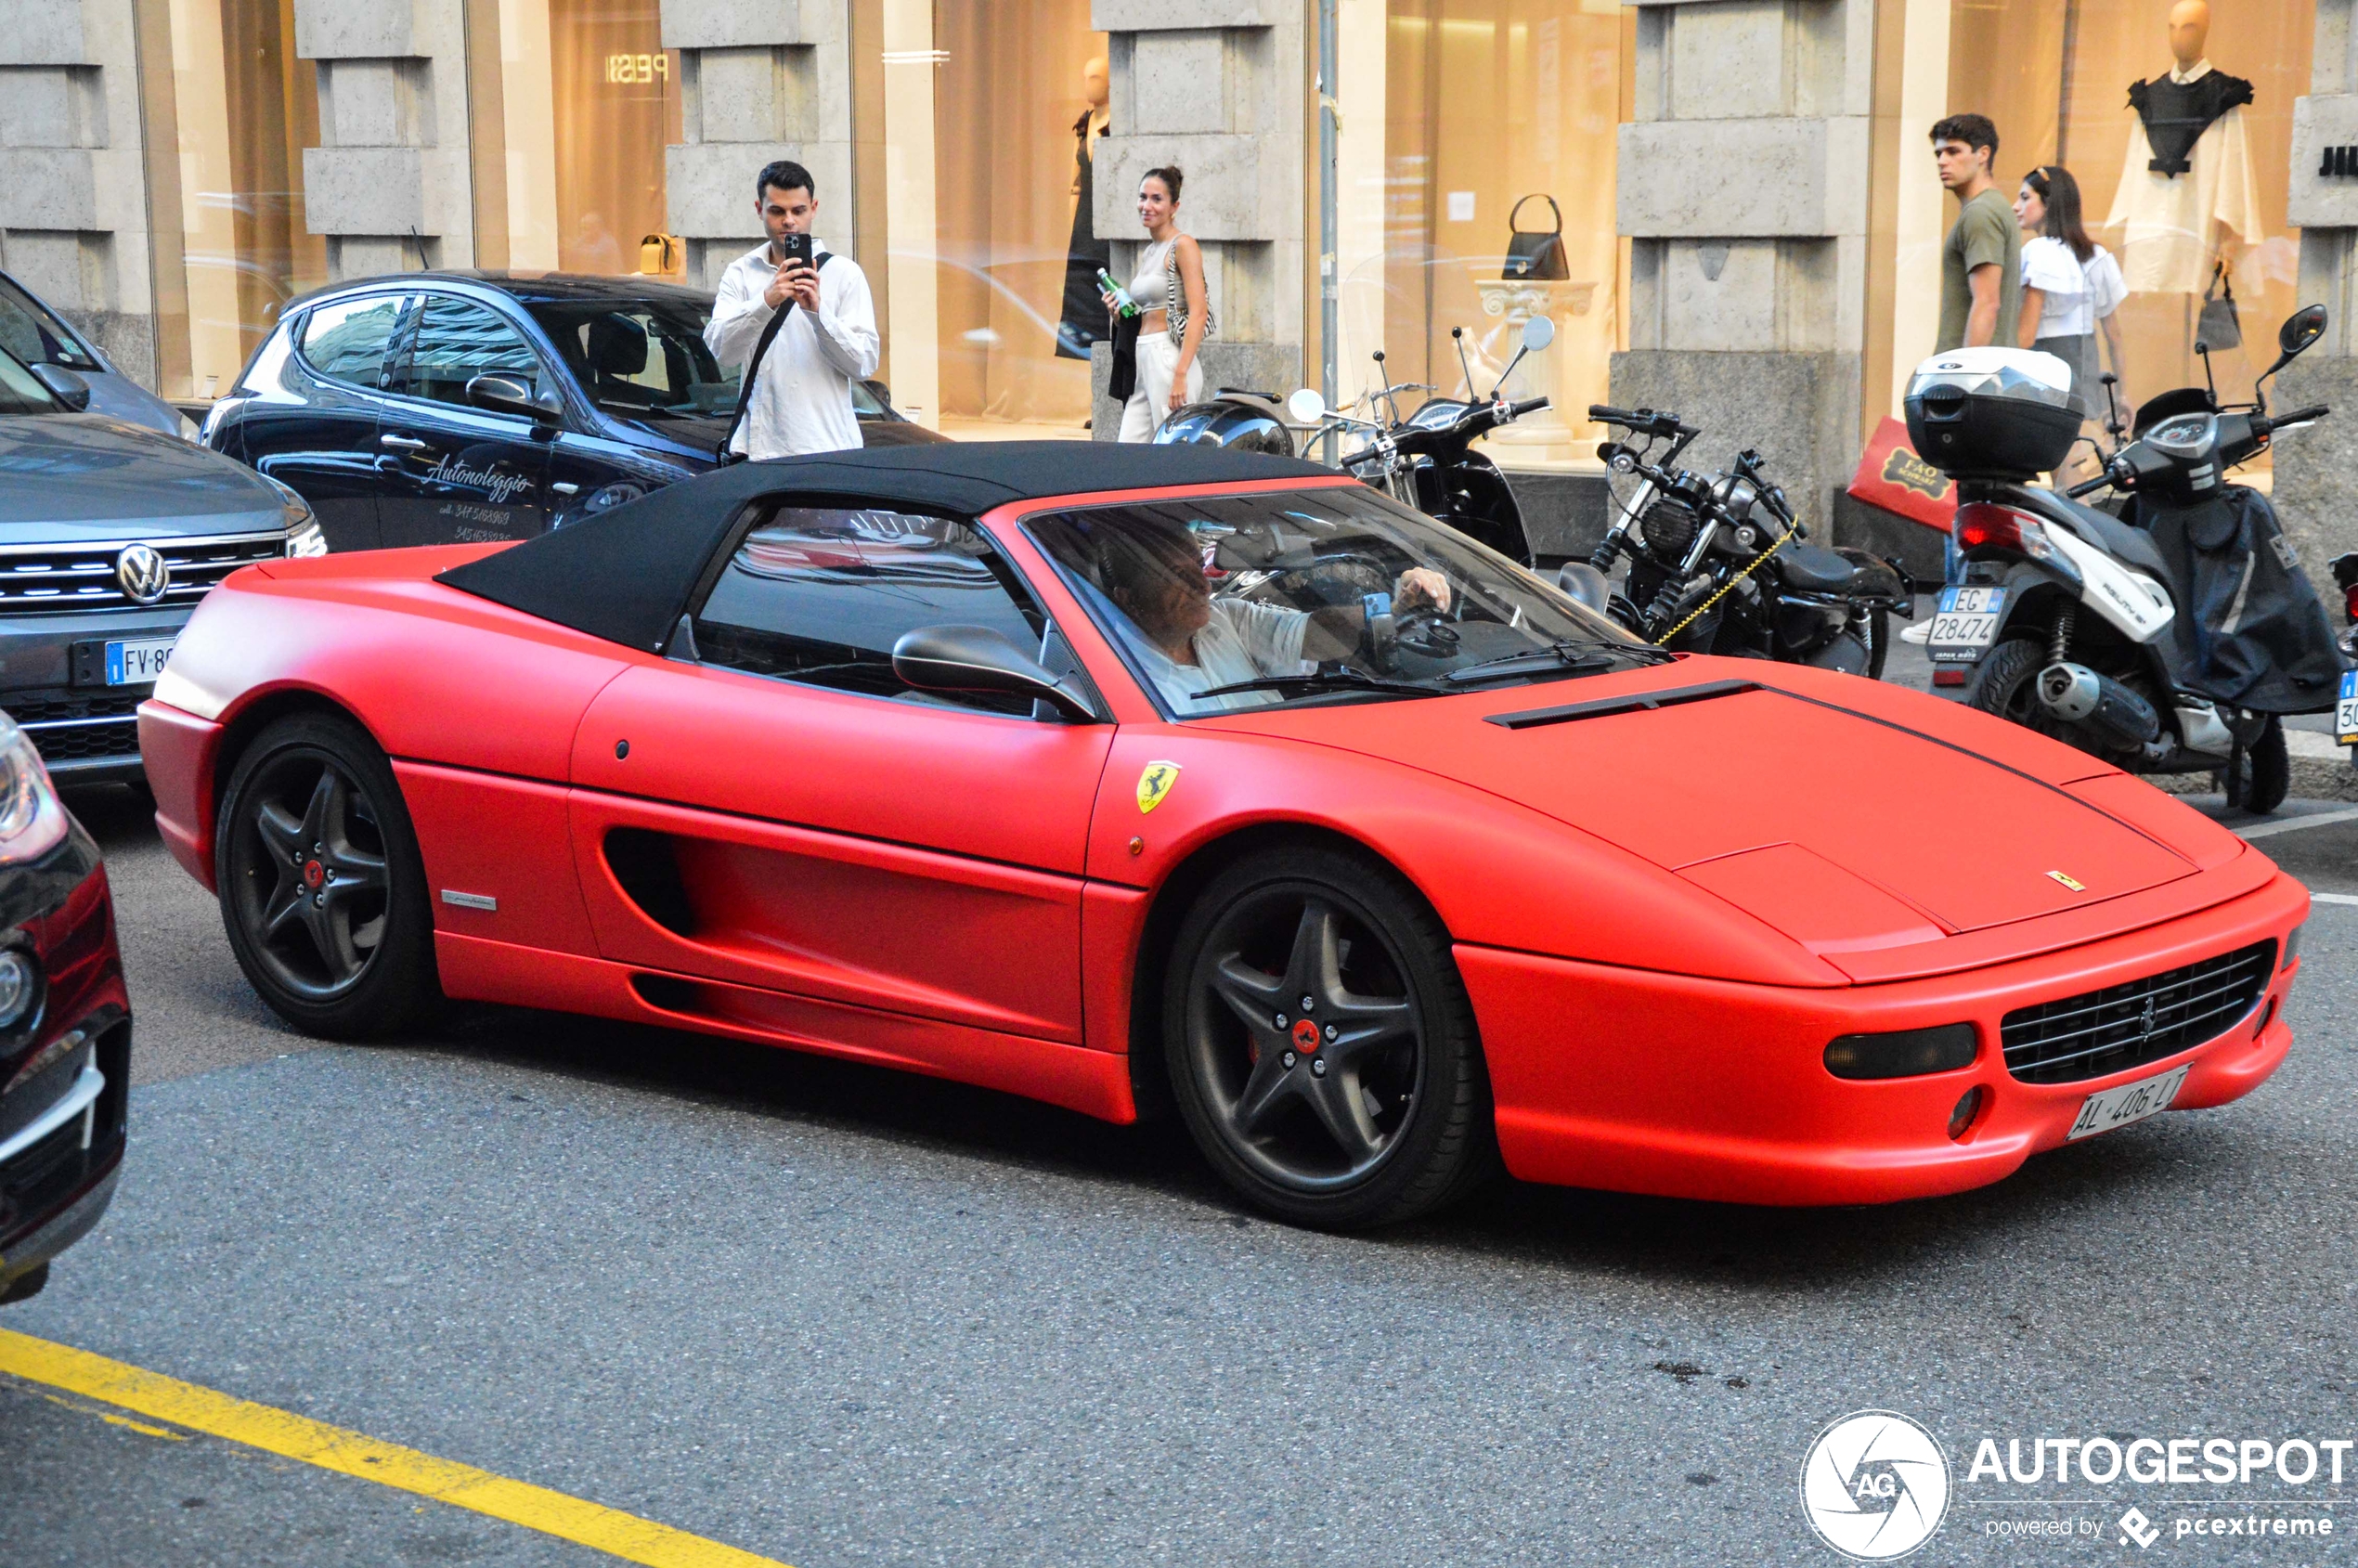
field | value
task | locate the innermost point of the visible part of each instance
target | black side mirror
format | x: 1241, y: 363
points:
x: 975, y: 658
x: 64, y: 385
x: 505, y: 395
x: 2301, y: 329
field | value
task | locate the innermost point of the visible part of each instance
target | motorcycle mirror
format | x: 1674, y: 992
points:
x: 1538, y: 332
x: 1306, y: 405
x: 1585, y: 585
x: 2302, y: 329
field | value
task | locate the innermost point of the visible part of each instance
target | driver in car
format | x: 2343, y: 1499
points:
x: 1192, y: 642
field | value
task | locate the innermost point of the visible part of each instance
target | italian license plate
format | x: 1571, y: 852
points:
x: 136, y: 664
x: 2131, y: 1102
x: 1964, y: 624
x: 2346, y: 709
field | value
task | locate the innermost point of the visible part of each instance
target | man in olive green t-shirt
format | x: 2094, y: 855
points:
x: 1981, y: 264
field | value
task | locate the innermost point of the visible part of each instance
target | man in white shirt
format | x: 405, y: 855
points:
x: 802, y: 395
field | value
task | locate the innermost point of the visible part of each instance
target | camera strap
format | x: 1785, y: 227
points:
x: 726, y: 453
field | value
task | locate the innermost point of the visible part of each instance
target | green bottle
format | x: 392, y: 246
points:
x: 1124, y: 305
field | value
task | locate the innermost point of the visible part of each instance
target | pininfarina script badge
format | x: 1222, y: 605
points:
x: 1155, y: 783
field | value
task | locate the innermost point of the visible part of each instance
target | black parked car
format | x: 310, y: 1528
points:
x: 439, y: 407
x: 65, y: 1026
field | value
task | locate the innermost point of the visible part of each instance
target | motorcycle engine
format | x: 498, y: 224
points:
x: 1670, y: 529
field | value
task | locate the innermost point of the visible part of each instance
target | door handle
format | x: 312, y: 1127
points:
x: 403, y: 443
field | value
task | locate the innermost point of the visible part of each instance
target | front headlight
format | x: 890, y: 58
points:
x: 303, y: 536
x: 191, y: 432
x: 32, y: 821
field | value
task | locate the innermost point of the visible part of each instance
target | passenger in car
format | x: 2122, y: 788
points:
x: 1191, y: 640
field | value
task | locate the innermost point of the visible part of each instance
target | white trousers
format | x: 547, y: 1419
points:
x: 1150, y: 403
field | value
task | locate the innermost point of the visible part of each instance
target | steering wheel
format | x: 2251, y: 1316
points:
x: 1421, y: 629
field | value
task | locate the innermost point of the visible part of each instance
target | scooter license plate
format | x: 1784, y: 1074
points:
x: 2346, y: 709
x: 1964, y: 624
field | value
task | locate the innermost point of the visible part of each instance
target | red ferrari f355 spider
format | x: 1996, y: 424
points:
x: 1127, y: 777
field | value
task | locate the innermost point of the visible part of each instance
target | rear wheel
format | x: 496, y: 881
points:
x: 2006, y: 683
x: 323, y: 890
x: 1321, y: 1046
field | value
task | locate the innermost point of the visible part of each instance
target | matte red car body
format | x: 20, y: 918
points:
x: 1662, y: 917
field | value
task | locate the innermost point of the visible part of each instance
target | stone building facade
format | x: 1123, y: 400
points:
x: 1743, y: 185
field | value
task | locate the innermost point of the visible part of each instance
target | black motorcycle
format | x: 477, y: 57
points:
x: 1425, y: 461
x: 1718, y: 563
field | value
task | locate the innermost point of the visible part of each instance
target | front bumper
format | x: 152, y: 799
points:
x: 86, y: 732
x: 1636, y: 1082
x: 65, y: 1079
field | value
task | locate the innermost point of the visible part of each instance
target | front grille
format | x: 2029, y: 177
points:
x: 2126, y: 1026
x: 70, y: 726
x: 63, y: 580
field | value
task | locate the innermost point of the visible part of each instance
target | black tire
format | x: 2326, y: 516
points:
x: 323, y: 890
x: 1400, y: 1124
x: 2266, y: 777
x: 2001, y: 683
x: 1878, y: 641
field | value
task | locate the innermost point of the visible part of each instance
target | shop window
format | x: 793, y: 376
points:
x: 1494, y: 117
x: 2054, y: 76
x: 591, y: 99
x: 248, y: 106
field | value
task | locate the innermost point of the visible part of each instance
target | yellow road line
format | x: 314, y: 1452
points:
x: 350, y: 1453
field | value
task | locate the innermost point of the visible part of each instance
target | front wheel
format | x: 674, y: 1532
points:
x: 1321, y: 1046
x: 2265, y: 778
x: 323, y: 890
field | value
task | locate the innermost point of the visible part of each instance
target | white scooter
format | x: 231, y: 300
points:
x: 2170, y: 640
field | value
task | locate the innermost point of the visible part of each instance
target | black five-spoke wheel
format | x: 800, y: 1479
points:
x: 321, y: 889
x: 1320, y: 1043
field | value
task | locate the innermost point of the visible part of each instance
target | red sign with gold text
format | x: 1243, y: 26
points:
x: 1891, y: 476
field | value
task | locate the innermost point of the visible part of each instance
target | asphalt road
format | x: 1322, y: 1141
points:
x: 837, y: 1316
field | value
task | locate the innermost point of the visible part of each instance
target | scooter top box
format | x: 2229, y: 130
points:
x: 1992, y: 413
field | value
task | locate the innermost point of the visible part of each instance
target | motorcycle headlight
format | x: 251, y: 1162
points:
x: 303, y: 536
x: 33, y: 820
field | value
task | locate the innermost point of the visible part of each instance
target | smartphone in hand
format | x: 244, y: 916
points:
x: 796, y: 247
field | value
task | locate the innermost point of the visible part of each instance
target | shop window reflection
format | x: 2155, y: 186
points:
x: 2054, y: 76
x: 592, y: 99
x: 248, y: 106
x: 1479, y: 104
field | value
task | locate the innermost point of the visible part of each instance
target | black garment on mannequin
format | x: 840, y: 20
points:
x: 2176, y: 114
x: 1084, y: 320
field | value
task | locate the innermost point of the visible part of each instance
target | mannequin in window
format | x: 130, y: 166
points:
x: 2188, y: 200
x: 1084, y: 312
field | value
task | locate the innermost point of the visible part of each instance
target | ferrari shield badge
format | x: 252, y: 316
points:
x: 1155, y: 783
x: 2069, y: 881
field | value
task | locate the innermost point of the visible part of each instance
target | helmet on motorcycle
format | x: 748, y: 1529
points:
x: 1239, y: 423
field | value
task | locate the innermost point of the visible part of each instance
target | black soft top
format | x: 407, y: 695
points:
x: 627, y: 575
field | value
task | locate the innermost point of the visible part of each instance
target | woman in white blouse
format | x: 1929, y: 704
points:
x: 2071, y: 286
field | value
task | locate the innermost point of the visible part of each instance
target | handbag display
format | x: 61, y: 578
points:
x: 2218, y: 326
x: 1536, y: 255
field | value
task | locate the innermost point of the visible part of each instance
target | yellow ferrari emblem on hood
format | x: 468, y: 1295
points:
x: 1155, y: 783
x: 2071, y: 882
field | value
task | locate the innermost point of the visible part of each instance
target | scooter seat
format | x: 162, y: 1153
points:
x: 2129, y: 545
x: 1809, y: 568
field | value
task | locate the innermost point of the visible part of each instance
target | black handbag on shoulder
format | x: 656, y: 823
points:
x: 1536, y: 255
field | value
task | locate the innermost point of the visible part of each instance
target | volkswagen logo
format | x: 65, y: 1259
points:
x: 145, y: 575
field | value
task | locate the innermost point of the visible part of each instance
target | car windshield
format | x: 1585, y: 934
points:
x: 19, y: 393
x: 646, y: 358
x: 31, y: 332
x: 1317, y: 596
